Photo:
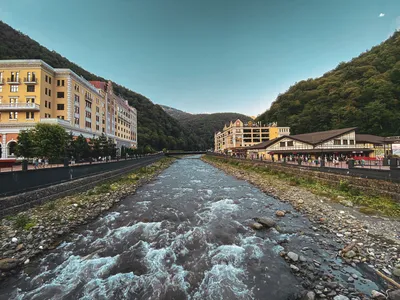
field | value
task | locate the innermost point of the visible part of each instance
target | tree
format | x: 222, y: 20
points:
x: 25, y: 144
x: 81, y: 148
x: 50, y: 141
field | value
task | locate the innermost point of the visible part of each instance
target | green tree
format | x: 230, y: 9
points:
x: 81, y: 148
x: 25, y: 144
x: 50, y: 141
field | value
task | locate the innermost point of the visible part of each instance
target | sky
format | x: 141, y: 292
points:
x: 206, y: 55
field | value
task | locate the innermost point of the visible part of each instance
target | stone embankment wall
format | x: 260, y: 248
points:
x: 13, y: 204
x: 368, y: 186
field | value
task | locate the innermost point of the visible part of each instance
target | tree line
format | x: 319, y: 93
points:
x: 55, y: 144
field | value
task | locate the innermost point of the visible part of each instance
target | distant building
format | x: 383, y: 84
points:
x: 236, y: 136
x: 339, y: 143
x: 32, y: 92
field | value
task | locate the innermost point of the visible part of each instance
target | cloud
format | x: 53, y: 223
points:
x: 381, y: 15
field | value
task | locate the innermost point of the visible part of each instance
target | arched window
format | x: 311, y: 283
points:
x: 11, y: 148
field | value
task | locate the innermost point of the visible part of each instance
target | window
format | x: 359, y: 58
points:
x: 60, y: 106
x: 45, y: 91
x: 351, y: 142
x: 88, y: 124
x: 45, y: 103
x: 60, y: 94
x: 30, y: 115
x: 337, y: 142
x: 46, y: 78
x: 282, y: 144
x: 97, y: 127
x: 13, y: 115
x: 60, y: 117
x: 77, y: 109
x: 77, y: 98
x: 97, y: 109
x: 49, y: 79
x: 62, y: 83
x: 49, y: 104
x: 345, y: 142
x: 290, y: 144
x: 49, y: 92
x: 13, y: 88
x: 88, y: 104
x: 30, y: 88
x: 76, y: 121
x: 30, y: 100
x: 58, y: 82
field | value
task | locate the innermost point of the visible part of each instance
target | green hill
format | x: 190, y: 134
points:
x: 155, y: 127
x: 363, y: 93
x: 204, y: 125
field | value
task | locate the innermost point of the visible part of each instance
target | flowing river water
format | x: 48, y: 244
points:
x: 183, y: 236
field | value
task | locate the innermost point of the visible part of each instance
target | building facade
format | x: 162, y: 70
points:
x: 32, y: 91
x: 331, y: 144
x: 238, y: 135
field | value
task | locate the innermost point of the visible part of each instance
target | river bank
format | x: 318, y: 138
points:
x: 27, y: 234
x: 371, y: 239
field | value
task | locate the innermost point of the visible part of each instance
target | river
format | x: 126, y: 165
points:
x: 183, y: 236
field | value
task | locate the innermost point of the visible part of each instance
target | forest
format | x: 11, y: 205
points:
x: 363, y: 93
x: 204, y: 125
x: 156, y: 129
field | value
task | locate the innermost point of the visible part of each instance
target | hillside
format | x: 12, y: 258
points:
x: 175, y: 113
x: 364, y: 93
x: 155, y: 127
x: 203, y: 126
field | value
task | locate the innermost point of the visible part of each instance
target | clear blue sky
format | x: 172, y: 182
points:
x: 206, y: 55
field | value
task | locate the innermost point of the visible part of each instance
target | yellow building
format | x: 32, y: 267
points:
x: 32, y: 91
x: 238, y: 135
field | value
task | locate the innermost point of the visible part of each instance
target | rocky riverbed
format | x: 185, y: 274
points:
x: 28, y: 234
x: 360, y: 239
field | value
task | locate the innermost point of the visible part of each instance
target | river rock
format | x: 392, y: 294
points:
x: 280, y: 213
x: 14, y: 240
x: 340, y: 297
x: 267, y: 222
x: 294, y: 268
x: 19, y: 247
x: 394, y: 295
x: 377, y: 295
x: 256, y: 226
x: 309, y: 296
x: 396, y: 271
x: 293, y: 256
x: 350, y: 254
x: 7, y: 264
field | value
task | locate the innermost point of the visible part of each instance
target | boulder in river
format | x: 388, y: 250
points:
x: 266, y: 222
x: 280, y: 213
x: 377, y: 295
x: 256, y: 226
x: 340, y: 297
x: 394, y: 295
x: 293, y: 256
x: 309, y: 296
x: 350, y: 254
x: 7, y: 264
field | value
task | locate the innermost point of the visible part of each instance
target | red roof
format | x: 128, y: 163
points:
x: 99, y: 85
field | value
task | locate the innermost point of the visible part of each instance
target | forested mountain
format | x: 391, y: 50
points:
x: 363, y: 93
x: 155, y: 127
x: 204, y: 125
x: 175, y: 113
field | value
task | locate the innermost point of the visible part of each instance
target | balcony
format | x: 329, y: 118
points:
x: 19, y: 107
x: 13, y: 80
x: 30, y: 80
x: 87, y: 98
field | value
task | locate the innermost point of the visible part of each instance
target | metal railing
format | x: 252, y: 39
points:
x: 14, y: 80
x: 18, y: 106
x: 32, y: 80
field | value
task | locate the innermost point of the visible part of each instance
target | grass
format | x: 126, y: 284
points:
x: 22, y: 221
x: 368, y: 204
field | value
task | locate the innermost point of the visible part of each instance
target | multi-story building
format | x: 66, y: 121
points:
x: 31, y: 91
x: 238, y: 135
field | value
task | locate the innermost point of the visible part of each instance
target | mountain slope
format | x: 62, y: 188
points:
x: 364, y: 93
x: 204, y: 125
x: 175, y: 113
x: 155, y: 127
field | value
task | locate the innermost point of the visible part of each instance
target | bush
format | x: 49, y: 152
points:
x: 22, y: 221
x: 344, y: 186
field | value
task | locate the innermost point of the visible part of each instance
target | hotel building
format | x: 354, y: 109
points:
x: 31, y: 92
x: 238, y: 135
